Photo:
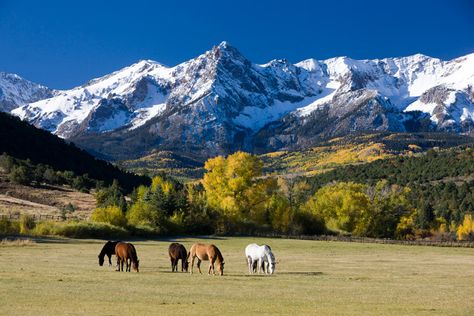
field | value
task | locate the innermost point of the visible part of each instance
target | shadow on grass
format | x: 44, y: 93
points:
x: 304, y: 273
x: 307, y: 273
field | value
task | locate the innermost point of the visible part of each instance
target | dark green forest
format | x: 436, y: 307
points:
x: 26, y: 142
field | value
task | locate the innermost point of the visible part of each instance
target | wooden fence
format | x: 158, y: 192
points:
x: 40, y: 217
x: 423, y: 242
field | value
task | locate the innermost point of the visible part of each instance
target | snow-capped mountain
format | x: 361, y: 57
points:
x: 220, y: 102
x: 16, y: 91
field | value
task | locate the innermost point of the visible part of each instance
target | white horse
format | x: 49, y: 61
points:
x: 263, y: 256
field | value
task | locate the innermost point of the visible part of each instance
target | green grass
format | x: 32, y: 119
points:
x: 62, y: 276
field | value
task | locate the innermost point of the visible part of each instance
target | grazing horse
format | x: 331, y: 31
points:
x: 177, y: 251
x: 109, y: 250
x: 263, y: 256
x: 206, y: 252
x: 125, y: 252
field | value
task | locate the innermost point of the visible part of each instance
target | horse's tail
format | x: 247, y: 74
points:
x: 191, y: 252
x: 133, y: 253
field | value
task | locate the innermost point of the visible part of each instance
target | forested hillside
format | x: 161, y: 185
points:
x: 26, y: 142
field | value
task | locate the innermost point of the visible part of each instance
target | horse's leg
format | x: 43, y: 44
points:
x: 211, y: 265
x: 259, y: 265
x: 199, y: 265
x: 127, y: 264
x: 110, y: 260
x: 192, y: 264
x: 118, y: 264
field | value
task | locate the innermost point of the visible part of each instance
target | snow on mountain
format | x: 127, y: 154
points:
x: 130, y: 94
x: 16, y: 91
x: 221, y: 100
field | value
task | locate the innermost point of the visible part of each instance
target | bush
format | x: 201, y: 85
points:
x: 90, y: 230
x: 8, y: 227
x: 45, y: 228
x: 306, y: 223
x: 144, y: 231
x: 145, y: 214
x: 27, y: 223
x: 110, y: 214
x: 21, y: 175
x: 79, y: 230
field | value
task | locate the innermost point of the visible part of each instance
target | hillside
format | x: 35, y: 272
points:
x: 431, y: 167
x: 24, y: 141
x: 336, y: 152
x: 48, y: 201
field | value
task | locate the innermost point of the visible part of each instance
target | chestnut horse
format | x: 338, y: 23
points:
x: 206, y: 252
x: 125, y: 252
x: 176, y: 252
x: 109, y: 250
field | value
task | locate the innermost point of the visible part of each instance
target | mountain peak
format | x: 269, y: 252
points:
x: 226, y: 51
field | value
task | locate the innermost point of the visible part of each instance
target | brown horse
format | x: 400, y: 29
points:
x: 176, y: 252
x: 206, y: 252
x: 125, y: 252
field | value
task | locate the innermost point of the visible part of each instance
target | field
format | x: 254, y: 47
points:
x: 62, y: 276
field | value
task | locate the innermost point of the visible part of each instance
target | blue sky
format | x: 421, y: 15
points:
x: 62, y: 44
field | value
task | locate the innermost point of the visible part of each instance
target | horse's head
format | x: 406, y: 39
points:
x: 101, y: 261
x: 271, y: 267
x: 135, y: 265
x: 186, y: 265
x: 221, y: 268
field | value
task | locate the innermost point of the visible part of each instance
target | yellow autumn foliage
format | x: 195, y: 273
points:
x: 465, y: 231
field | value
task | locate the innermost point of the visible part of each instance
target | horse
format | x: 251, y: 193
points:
x: 125, y: 252
x: 263, y: 256
x: 109, y: 250
x: 205, y: 252
x: 177, y: 251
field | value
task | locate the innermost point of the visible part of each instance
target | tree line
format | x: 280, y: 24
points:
x: 373, y: 200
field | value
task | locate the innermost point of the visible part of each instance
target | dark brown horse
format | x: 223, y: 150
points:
x: 109, y: 250
x: 207, y: 252
x: 126, y: 252
x: 176, y: 252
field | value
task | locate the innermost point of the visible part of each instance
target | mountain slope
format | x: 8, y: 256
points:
x: 23, y: 141
x: 220, y: 102
x: 16, y: 91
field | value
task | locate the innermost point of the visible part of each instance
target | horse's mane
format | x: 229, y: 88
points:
x: 270, y: 253
x: 219, y: 255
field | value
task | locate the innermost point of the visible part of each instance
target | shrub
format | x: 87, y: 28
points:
x: 79, y: 230
x: 90, y: 230
x: 142, y: 213
x: 8, y: 227
x: 45, y: 228
x: 111, y: 214
x: 27, y: 223
x: 306, y: 223
x: 21, y: 175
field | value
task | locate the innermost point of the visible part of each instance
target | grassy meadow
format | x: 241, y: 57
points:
x: 62, y: 276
